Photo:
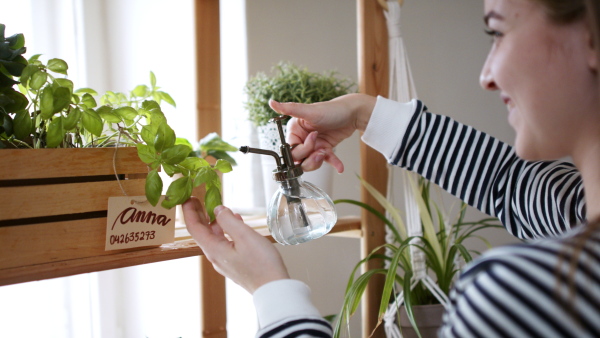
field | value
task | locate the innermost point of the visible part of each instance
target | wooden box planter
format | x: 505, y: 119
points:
x: 53, y: 202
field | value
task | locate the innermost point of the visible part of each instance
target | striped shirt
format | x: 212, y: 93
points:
x: 511, y: 291
x: 523, y: 290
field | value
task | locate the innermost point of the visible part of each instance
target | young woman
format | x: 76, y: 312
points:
x: 544, y: 64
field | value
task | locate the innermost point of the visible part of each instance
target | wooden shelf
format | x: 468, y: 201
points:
x: 183, y: 247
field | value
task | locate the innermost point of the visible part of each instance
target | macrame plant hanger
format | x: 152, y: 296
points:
x: 402, y: 89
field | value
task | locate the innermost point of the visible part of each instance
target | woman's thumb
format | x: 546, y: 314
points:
x: 288, y: 108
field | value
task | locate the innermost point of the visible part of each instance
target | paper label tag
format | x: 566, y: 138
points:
x: 133, y: 222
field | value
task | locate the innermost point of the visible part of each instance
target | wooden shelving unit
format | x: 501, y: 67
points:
x: 183, y: 247
x: 372, y: 80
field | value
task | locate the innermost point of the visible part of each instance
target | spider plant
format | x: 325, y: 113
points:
x: 442, y: 244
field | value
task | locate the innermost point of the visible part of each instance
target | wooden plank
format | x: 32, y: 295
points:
x: 27, y: 245
x: 213, y: 300
x: 99, y: 261
x: 373, y: 80
x: 208, y: 68
x: 43, y: 163
x: 61, y: 199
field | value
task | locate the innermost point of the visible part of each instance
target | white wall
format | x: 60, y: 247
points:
x: 446, y: 47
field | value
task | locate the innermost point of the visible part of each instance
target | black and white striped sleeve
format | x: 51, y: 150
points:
x: 284, y: 309
x: 532, y: 199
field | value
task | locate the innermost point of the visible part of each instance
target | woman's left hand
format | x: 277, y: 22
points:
x: 249, y: 259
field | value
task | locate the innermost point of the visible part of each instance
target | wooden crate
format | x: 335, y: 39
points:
x: 53, y: 202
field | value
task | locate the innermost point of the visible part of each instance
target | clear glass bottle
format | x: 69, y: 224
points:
x: 298, y: 211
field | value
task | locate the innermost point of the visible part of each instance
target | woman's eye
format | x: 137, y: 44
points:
x: 493, y: 33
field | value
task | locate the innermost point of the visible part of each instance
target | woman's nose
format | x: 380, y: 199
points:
x: 486, y: 78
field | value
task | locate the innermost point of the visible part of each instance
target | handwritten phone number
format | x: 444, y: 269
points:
x: 132, y: 237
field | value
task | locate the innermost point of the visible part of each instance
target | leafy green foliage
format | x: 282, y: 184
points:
x: 290, y: 83
x: 12, y: 64
x: 442, y: 244
x: 47, y: 112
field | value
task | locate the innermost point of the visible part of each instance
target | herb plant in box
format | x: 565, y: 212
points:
x: 67, y: 150
x: 289, y: 83
x: 48, y: 113
x: 442, y: 247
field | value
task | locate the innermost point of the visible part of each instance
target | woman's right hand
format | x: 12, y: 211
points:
x: 318, y: 127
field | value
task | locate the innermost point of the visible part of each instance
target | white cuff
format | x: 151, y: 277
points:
x: 387, y: 125
x: 280, y: 299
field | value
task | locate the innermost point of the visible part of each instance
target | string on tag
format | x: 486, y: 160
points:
x: 117, y: 175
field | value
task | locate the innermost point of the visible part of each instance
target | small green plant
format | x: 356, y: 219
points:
x: 47, y: 112
x: 442, y: 244
x: 290, y: 83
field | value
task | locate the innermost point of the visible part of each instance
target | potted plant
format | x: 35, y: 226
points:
x: 47, y: 112
x: 441, y: 245
x: 289, y: 83
x: 67, y: 150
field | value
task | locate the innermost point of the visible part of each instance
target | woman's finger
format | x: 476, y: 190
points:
x: 196, y: 222
x: 303, y: 150
x: 232, y: 224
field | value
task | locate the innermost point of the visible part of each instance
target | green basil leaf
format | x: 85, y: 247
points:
x: 34, y: 58
x: 170, y: 169
x: 27, y: 73
x: 108, y: 114
x: 140, y: 91
x: 157, y: 117
x: 146, y: 153
x: 154, y: 186
x: 152, y: 80
x: 150, y: 105
x: 167, y: 98
x: 64, y: 83
x: 213, y: 141
x: 128, y: 113
x: 58, y: 66
x: 22, y: 124
x: 86, y: 90
x: 205, y: 175
x: 149, y: 133
x: 38, y: 79
x: 223, y: 166
x: 88, y: 101
x: 92, y: 122
x: 181, y: 140
x: 55, y: 133
x: 212, y: 199
x: 194, y: 163
x: 165, y: 137
x: 72, y: 119
x: 46, y: 103
x: 178, y: 192
x: 62, y: 98
x: 175, y: 154
x: 221, y: 155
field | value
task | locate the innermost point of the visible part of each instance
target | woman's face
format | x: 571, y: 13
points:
x: 546, y: 75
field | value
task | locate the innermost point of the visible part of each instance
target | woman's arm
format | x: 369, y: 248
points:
x: 532, y: 199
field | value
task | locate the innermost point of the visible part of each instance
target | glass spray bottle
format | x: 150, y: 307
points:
x: 299, y: 211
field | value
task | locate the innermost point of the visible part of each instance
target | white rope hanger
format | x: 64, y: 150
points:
x: 402, y: 89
